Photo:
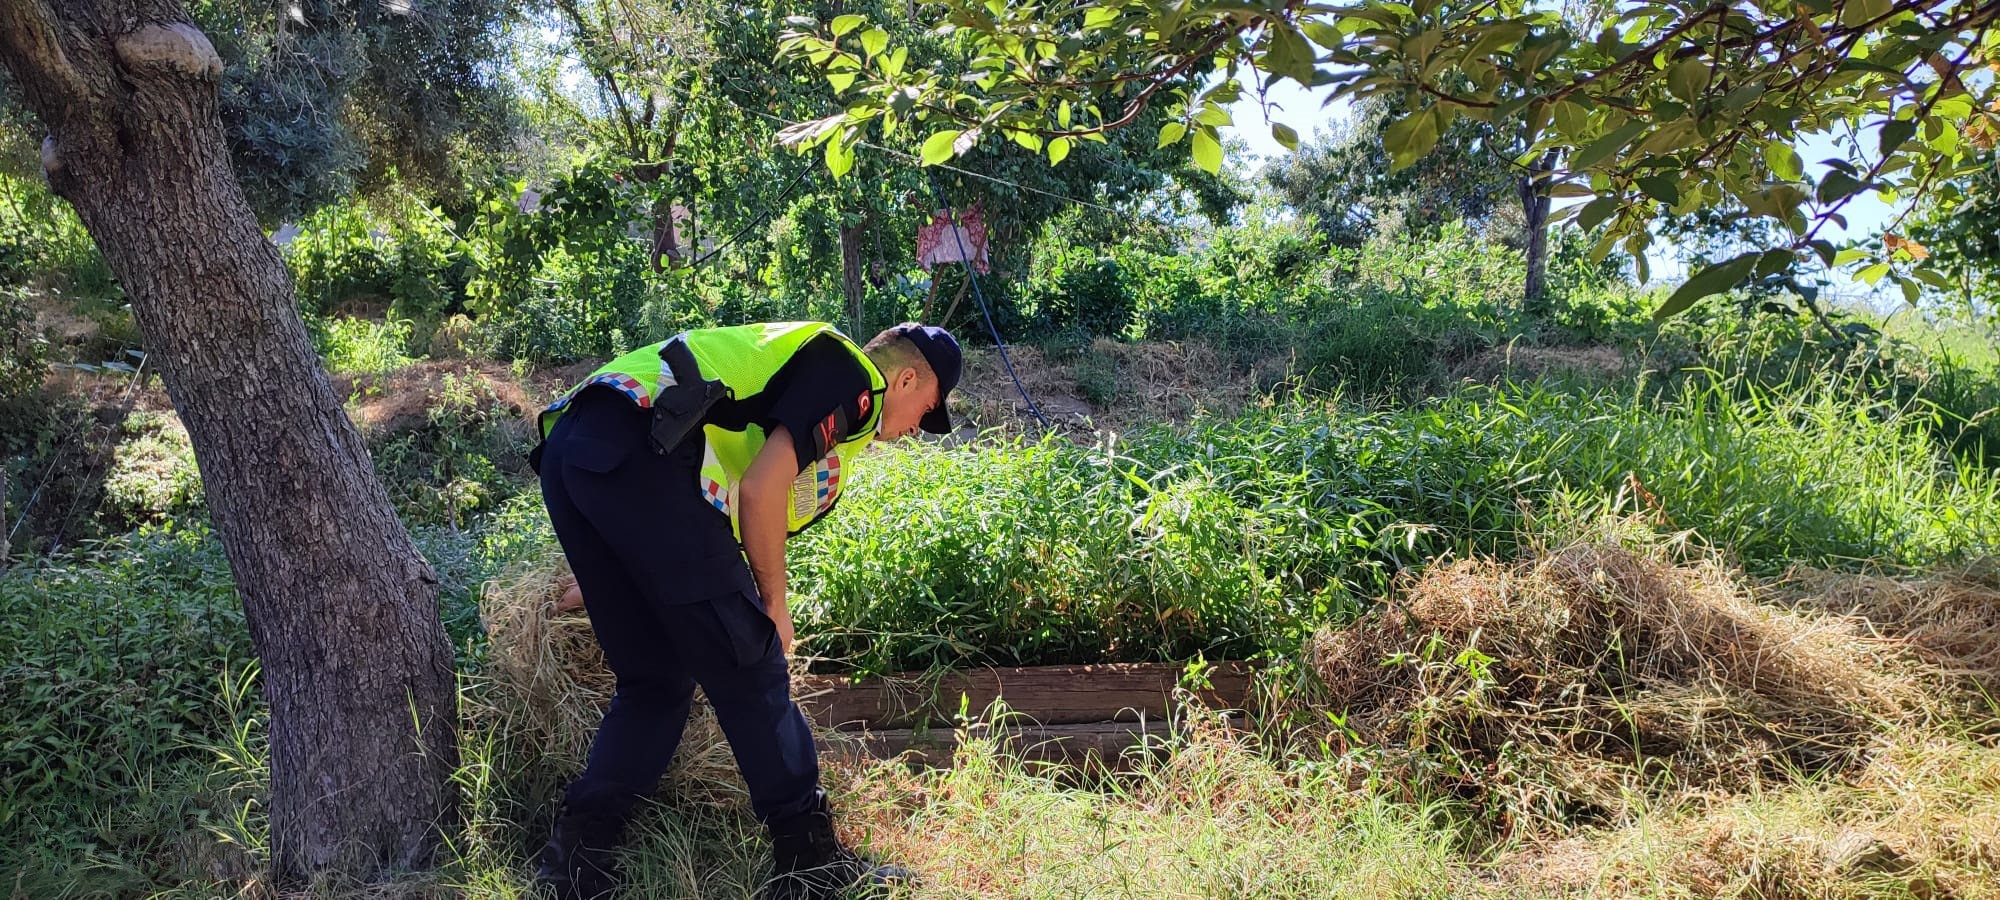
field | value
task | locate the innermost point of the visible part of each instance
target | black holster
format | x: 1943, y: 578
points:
x: 680, y: 407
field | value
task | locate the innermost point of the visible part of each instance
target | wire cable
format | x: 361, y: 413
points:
x: 965, y: 257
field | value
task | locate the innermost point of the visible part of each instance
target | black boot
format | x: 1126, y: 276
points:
x: 578, y: 861
x: 810, y: 863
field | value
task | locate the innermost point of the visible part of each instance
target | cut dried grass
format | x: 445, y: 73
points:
x: 1949, y: 620
x: 1574, y: 686
x: 547, y: 687
x: 1922, y: 819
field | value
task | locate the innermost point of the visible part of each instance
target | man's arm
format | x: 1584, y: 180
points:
x: 766, y: 488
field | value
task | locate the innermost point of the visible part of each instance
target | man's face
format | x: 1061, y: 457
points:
x: 911, y: 394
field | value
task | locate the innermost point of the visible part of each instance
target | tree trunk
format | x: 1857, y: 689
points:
x: 851, y: 276
x: 1534, y: 190
x: 342, y: 609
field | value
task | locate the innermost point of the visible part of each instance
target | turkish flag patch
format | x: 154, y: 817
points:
x: 863, y: 402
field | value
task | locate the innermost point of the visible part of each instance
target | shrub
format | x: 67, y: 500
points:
x: 152, y: 476
x: 466, y: 457
x: 399, y: 260
x: 352, y: 346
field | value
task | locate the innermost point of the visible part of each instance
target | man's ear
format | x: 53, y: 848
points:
x: 907, y: 378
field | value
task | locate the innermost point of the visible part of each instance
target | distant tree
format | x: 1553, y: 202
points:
x: 1955, y: 238
x: 1346, y: 181
x: 324, y: 97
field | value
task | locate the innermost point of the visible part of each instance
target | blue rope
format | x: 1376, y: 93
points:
x: 965, y: 256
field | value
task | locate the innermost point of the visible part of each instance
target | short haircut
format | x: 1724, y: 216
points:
x: 893, y: 352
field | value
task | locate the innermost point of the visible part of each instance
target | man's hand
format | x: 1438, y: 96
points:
x: 572, y: 597
x: 781, y: 616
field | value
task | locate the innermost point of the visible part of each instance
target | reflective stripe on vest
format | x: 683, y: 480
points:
x: 744, y: 358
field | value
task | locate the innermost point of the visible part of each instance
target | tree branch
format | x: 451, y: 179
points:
x: 33, y: 52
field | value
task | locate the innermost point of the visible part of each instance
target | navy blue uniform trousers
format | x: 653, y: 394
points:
x: 672, y: 603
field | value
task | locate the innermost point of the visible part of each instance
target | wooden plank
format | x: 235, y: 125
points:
x: 1044, y: 695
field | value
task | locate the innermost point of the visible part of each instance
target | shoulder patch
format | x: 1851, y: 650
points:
x: 830, y: 432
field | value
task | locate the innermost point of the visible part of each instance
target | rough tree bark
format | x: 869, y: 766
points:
x: 342, y: 608
x: 851, y: 275
x: 1534, y: 190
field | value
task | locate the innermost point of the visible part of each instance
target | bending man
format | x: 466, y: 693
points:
x: 673, y: 476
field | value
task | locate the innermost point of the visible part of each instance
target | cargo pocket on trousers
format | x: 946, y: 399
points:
x: 753, y: 637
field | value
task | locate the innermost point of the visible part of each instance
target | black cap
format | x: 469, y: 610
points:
x: 940, y: 350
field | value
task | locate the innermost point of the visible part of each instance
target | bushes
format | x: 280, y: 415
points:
x: 396, y: 259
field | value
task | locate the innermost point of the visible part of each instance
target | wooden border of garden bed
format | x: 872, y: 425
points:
x: 1070, y: 714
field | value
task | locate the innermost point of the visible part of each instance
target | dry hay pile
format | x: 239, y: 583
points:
x: 1575, y: 686
x: 1922, y: 819
x: 1950, y: 621
x: 547, y: 686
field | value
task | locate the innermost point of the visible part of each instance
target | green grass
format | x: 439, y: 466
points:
x: 1234, y: 538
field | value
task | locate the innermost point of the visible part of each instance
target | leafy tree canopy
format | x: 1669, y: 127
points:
x: 1669, y: 107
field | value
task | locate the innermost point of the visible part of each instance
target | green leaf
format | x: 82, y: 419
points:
x: 1849, y: 255
x: 1895, y: 132
x: 1713, y: 279
x: 845, y: 24
x: 841, y: 81
x: 1934, y: 278
x: 1872, y: 274
x: 1321, y: 33
x: 1783, y: 161
x: 874, y: 41
x: 1409, y: 138
x: 1855, y: 13
x: 1571, y: 117
x: 1664, y: 187
x: 1912, y: 292
x: 1058, y: 149
x: 1215, y: 116
x: 1687, y: 78
x: 1172, y: 132
x: 1603, y: 148
x: 1838, y: 185
x: 1207, y: 150
x: 839, y: 157
x: 1774, y: 261
x: 1289, y: 54
x: 1285, y: 136
x: 937, y: 147
x: 1595, y: 212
